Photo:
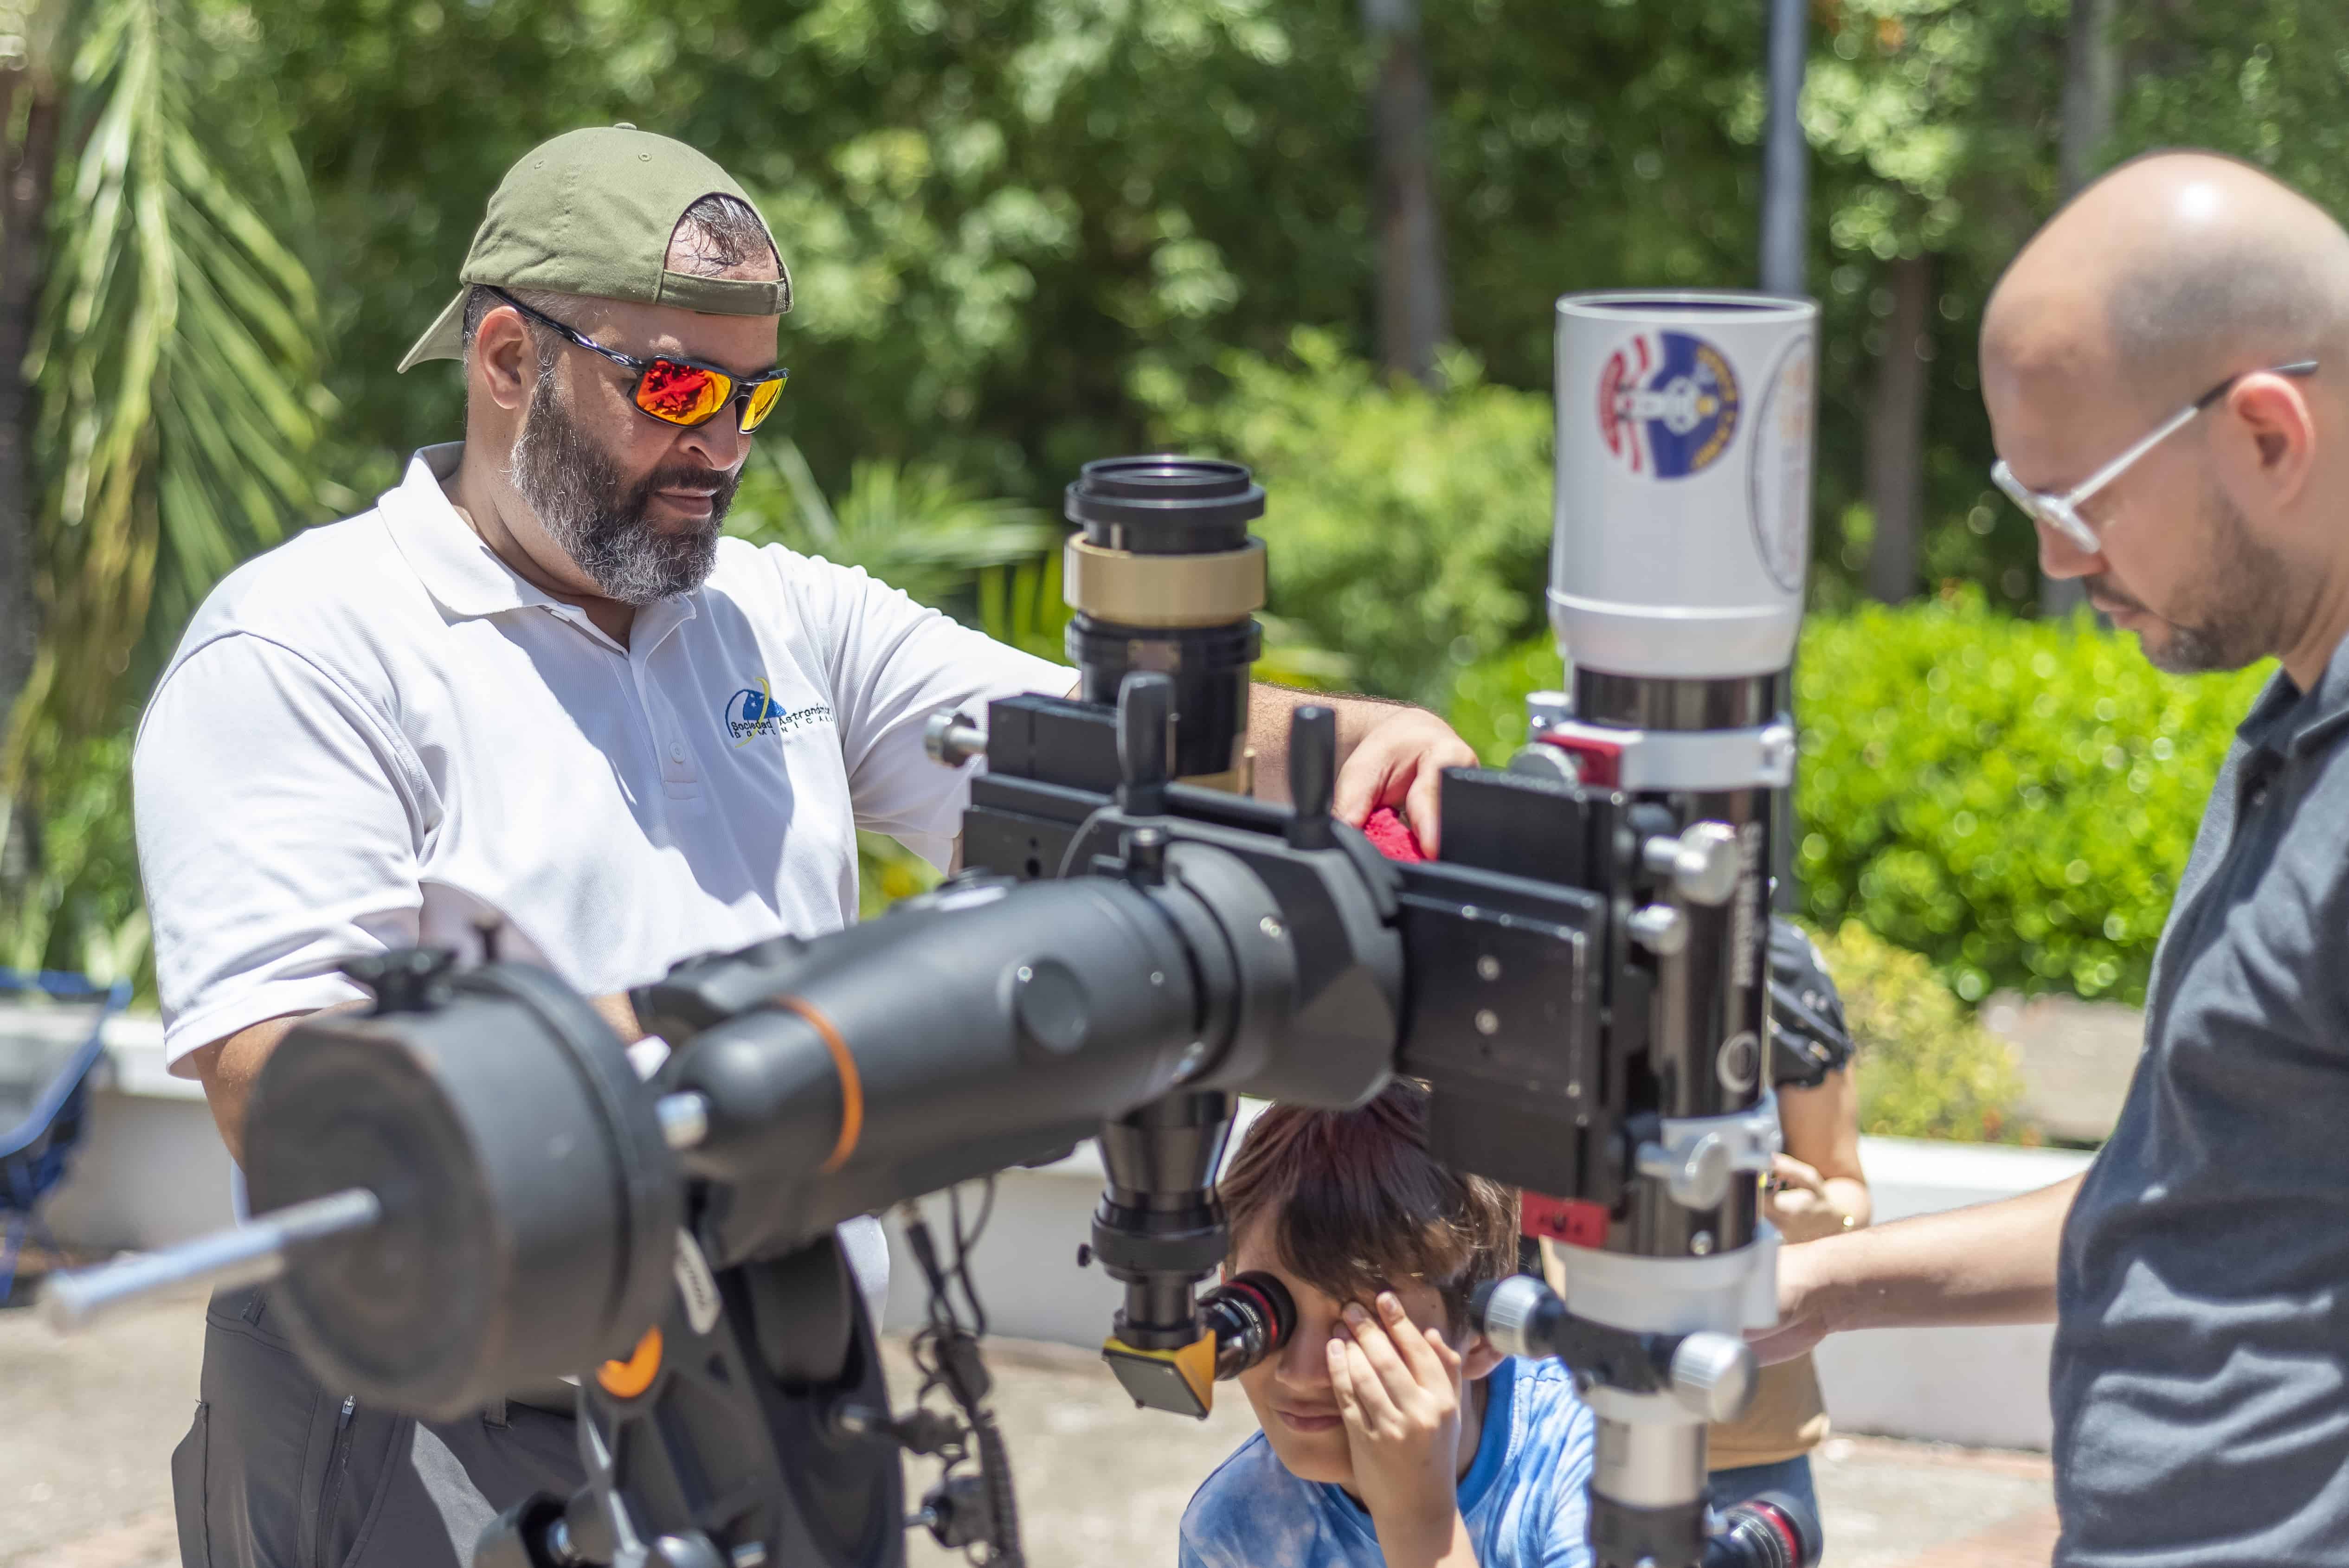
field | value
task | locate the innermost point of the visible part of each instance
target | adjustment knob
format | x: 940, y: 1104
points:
x: 1660, y: 929
x: 952, y: 739
x: 1509, y: 1312
x: 406, y: 979
x: 1714, y: 1376
x: 1145, y: 722
x: 1312, y: 776
x: 1697, y: 1177
x: 1703, y: 862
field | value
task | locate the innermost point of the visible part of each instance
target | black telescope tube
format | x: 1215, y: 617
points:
x: 1165, y: 577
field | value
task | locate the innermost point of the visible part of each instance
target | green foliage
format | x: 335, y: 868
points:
x: 175, y: 359
x: 81, y: 909
x: 912, y: 525
x: 1409, y: 531
x: 2012, y: 798
x: 1925, y: 1069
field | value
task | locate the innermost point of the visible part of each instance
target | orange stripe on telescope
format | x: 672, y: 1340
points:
x: 852, y: 1088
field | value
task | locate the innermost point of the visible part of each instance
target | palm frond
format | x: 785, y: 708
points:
x: 175, y: 361
x: 912, y: 525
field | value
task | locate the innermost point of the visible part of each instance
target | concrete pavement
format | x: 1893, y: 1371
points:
x: 87, y: 1425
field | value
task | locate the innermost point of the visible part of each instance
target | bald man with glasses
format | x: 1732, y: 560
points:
x: 2163, y: 366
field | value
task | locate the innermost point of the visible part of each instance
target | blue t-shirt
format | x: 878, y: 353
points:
x: 1526, y: 1498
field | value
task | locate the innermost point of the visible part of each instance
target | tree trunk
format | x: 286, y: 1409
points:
x: 1413, y: 310
x: 2091, y: 81
x: 1896, y: 433
x: 24, y: 221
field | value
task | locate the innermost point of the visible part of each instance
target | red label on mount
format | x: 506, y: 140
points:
x: 1597, y: 763
x: 1569, y: 1220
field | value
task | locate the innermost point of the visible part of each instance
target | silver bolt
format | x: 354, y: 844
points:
x: 1271, y: 925
x: 1488, y: 1022
x: 1574, y: 1088
x: 1025, y: 974
x: 1701, y: 1245
x: 1158, y: 978
x: 1488, y: 967
x: 1660, y: 929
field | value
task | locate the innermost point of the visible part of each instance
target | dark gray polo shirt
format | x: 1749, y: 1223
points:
x: 2202, y: 1370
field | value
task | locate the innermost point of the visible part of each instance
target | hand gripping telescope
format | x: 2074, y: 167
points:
x: 469, y: 1190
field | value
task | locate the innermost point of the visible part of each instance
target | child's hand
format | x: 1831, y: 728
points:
x: 1399, y: 1392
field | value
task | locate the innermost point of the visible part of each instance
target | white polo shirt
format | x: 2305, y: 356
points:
x: 377, y: 734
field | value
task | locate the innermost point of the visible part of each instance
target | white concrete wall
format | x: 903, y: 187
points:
x: 152, y: 1171
x: 1981, y: 1386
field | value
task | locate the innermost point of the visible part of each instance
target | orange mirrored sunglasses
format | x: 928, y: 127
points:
x: 676, y: 391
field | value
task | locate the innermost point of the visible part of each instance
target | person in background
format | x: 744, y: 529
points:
x: 1392, y: 1433
x: 1815, y: 1189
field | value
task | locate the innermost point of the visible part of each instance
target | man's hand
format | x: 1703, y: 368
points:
x: 1399, y: 1392
x: 1400, y: 763
x: 1799, y: 1203
x: 1804, y: 1299
x: 1994, y: 1263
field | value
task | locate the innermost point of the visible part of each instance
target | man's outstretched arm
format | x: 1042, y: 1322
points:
x: 229, y: 1068
x: 1994, y: 1263
x: 1389, y: 754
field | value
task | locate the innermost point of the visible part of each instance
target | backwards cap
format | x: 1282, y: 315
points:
x: 591, y: 212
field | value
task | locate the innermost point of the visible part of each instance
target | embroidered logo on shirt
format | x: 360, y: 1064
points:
x: 753, y: 712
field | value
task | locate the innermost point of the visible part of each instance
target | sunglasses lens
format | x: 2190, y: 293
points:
x: 681, y: 394
x: 762, y: 401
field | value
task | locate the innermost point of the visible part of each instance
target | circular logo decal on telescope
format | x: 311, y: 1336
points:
x: 1667, y: 404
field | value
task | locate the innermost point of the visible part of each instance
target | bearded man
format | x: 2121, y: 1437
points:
x: 535, y: 696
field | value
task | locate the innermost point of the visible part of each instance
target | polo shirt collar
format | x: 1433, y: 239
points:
x: 2291, y: 723
x: 463, y: 574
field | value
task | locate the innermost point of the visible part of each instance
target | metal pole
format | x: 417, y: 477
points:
x: 1786, y: 160
x: 1785, y: 205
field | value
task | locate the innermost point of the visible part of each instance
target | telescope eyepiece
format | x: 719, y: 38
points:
x: 1251, y: 1316
x: 1165, y: 505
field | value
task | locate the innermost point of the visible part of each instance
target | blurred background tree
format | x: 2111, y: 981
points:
x: 1028, y: 233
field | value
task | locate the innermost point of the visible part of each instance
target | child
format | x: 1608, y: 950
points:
x: 1393, y: 1434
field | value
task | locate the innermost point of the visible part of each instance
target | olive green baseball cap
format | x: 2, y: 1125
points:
x: 591, y: 212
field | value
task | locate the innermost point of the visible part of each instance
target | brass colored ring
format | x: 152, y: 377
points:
x: 1172, y: 591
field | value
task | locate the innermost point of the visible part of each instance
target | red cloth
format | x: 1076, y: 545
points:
x: 1391, y: 836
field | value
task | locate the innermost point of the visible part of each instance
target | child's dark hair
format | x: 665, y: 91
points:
x: 1355, y: 1203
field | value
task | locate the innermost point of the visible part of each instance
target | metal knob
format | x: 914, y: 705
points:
x: 1146, y: 740
x: 1697, y: 1176
x: 1714, y: 1376
x: 1552, y: 763
x: 1660, y: 929
x: 245, y: 1255
x: 1508, y: 1312
x: 952, y: 739
x: 1704, y: 862
x: 1312, y: 776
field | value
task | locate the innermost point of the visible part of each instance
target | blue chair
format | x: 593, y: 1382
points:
x: 48, y: 1057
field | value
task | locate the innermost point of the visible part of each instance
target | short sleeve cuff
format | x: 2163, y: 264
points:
x: 190, y: 1032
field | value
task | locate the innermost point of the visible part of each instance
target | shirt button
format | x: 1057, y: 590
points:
x: 677, y: 751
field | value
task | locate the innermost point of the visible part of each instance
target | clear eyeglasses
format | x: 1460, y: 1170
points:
x: 2062, y: 512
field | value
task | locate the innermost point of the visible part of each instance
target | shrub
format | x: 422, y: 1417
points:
x: 1409, y: 531
x: 2015, y: 800
x: 1924, y: 1068
x: 2012, y: 798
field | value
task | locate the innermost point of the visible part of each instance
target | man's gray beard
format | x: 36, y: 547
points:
x: 574, y: 486
x: 2236, y: 618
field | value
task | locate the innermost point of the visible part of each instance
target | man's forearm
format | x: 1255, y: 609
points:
x: 1268, y: 710
x: 1992, y: 1263
x: 228, y: 1069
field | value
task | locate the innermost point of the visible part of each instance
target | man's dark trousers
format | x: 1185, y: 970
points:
x: 279, y: 1471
